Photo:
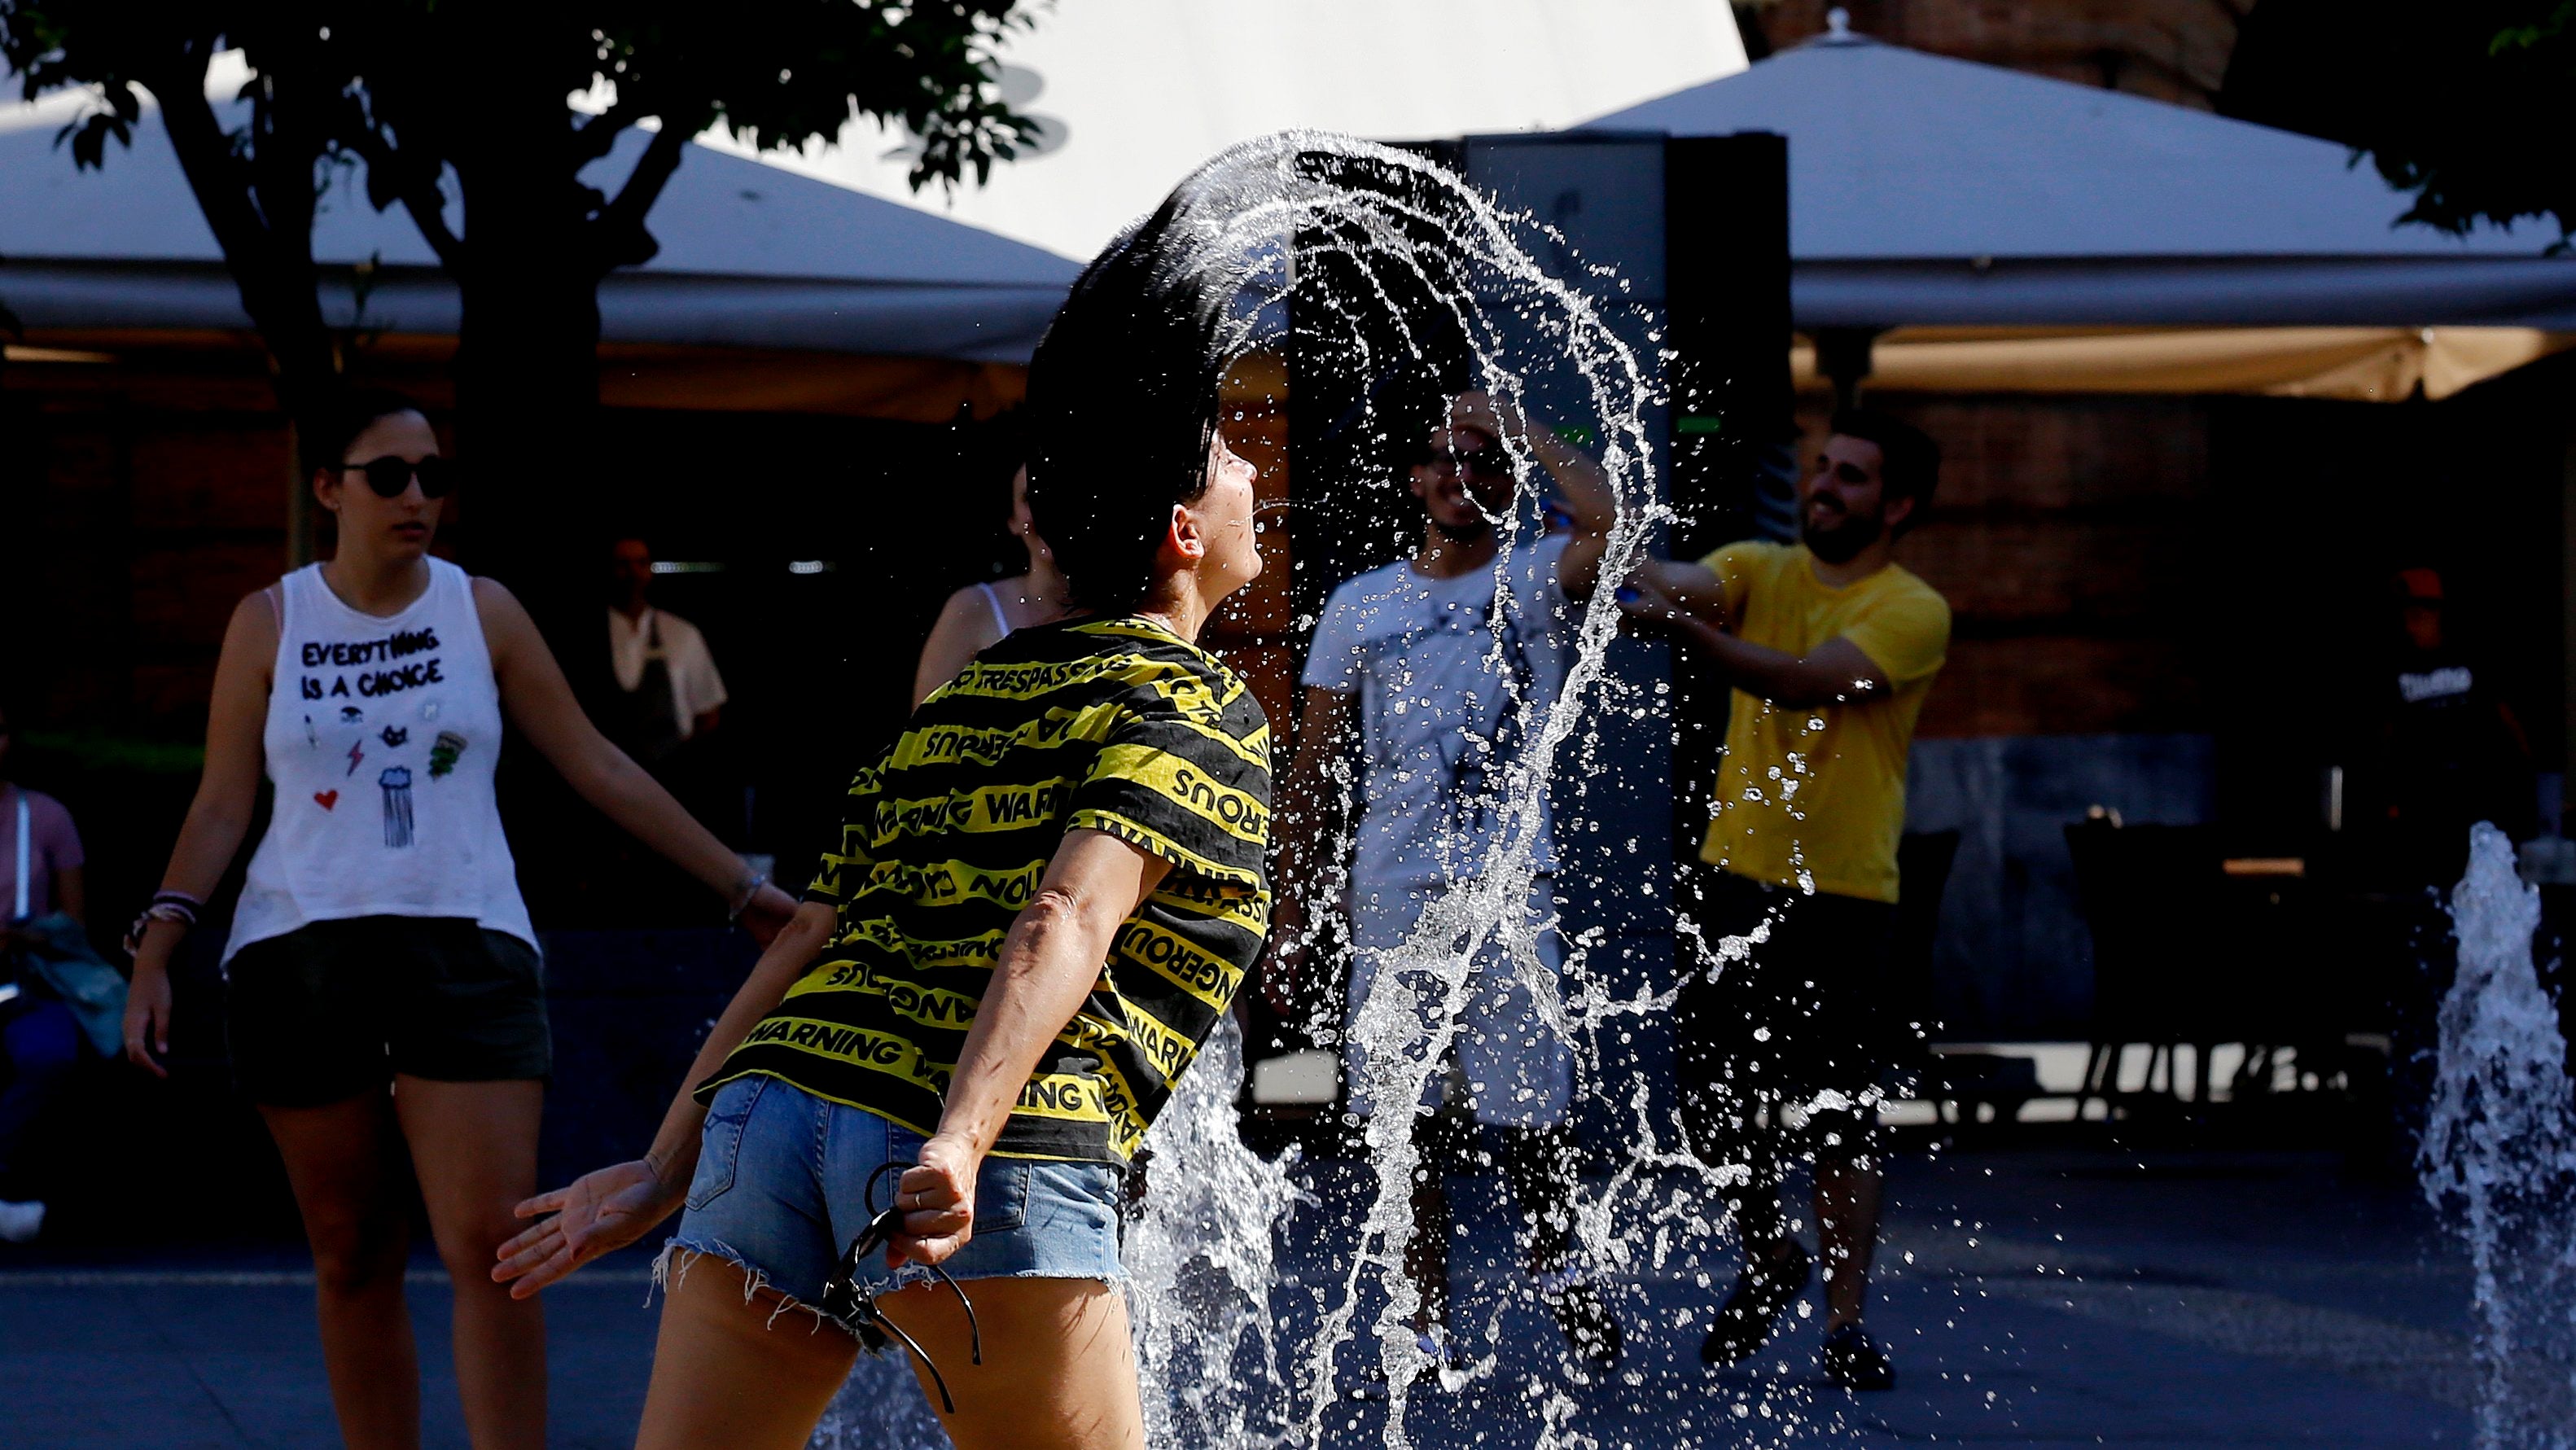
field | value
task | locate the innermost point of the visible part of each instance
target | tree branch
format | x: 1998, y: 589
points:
x: 597, y: 134
x: 273, y: 268
x: 620, y: 239
x: 215, y: 171
x: 414, y: 184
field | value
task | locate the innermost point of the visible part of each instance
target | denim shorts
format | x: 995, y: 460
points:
x: 781, y: 1189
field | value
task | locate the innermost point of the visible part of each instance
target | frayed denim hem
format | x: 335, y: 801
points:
x: 912, y: 1275
x: 671, y: 1266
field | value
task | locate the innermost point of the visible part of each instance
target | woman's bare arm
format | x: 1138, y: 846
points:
x: 540, y: 702
x: 964, y: 629
x: 227, y: 795
x: 1049, y: 963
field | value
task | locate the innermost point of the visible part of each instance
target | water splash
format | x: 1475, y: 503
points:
x: 2499, y: 1156
x: 1202, y: 1254
x: 1403, y: 262
x: 1362, y: 264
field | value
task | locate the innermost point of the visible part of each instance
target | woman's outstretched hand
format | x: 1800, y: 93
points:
x: 599, y: 1211
x: 147, y: 1019
x: 937, y: 1197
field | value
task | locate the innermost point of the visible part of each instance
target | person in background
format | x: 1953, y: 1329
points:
x: 1829, y: 646
x: 40, y: 875
x: 980, y: 615
x: 1406, y: 667
x: 2440, y: 751
x: 668, y: 691
x: 383, y: 995
x: 2449, y: 752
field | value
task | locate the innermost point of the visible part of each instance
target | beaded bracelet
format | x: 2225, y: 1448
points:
x: 176, y: 906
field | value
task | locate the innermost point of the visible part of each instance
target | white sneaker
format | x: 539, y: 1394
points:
x: 21, y: 1222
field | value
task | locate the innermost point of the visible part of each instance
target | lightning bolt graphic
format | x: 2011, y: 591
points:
x: 357, y: 752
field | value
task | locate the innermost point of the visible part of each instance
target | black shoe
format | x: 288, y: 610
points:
x: 1857, y: 1362
x: 1770, y: 1283
x: 1588, y: 1324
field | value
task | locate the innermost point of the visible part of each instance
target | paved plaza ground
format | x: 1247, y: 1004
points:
x: 2052, y: 1298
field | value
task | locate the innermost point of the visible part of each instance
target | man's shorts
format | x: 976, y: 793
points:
x: 781, y: 1190
x: 1798, y: 1031
x: 1513, y: 1068
x: 336, y: 1008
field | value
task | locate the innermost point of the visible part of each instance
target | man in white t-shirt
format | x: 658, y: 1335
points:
x: 1440, y: 668
x: 668, y: 691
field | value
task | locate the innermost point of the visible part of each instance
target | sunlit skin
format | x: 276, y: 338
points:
x: 1058, y: 1373
x: 1842, y: 500
x: 472, y: 1145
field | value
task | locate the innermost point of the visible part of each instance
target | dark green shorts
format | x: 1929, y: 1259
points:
x: 335, y: 1008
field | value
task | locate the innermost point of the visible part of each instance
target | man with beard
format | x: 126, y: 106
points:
x: 1830, y: 647
x: 1439, y: 669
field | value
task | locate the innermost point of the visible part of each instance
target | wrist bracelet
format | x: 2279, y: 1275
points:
x: 749, y: 889
x: 176, y: 906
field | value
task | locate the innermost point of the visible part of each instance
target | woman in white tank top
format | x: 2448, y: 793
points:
x: 381, y: 979
x: 979, y: 615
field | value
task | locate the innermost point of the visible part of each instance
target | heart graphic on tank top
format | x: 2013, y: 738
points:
x: 326, y: 799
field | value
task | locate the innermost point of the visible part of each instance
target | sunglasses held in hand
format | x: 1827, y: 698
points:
x: 390, y: 475
x: 844, y: 1298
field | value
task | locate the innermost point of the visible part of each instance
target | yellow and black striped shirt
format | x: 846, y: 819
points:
x: 1112, y: 725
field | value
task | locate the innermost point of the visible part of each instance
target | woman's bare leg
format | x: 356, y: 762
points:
x: 725, y: 1372
x: 1058, y: 1372
x: 474, y: 1150
x: 349, y: 1187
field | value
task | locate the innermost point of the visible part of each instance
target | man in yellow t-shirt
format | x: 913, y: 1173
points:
x: 1830, y: 647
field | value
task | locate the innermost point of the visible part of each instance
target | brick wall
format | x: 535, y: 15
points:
x: 2063, y: 535
x: 2172, y: 50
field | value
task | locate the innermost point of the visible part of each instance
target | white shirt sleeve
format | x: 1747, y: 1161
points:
x: 1333, y: 661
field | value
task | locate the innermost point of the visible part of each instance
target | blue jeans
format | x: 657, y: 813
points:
x: 39, y: 1045
x: 781, y: 1190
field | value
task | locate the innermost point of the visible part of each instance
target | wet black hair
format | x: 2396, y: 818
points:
x: 1122, y: 402
x: 1910, y: 462
x: 350, y: 412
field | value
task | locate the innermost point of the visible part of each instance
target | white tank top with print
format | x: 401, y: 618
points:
x: 382, y: 735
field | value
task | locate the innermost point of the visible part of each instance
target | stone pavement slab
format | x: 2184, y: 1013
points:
x: 2049, y: 1300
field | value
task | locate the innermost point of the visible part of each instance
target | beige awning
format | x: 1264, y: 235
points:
x: 2365, y: 364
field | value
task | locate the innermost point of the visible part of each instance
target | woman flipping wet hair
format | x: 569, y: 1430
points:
x: 381, y: 981
x: 1042, y: 898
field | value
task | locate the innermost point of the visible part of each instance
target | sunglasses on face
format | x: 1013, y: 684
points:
x: 390, y: 475
x: 846, y: 1300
